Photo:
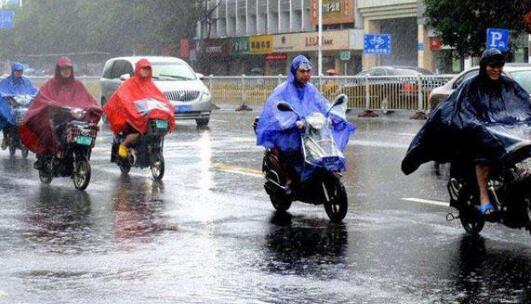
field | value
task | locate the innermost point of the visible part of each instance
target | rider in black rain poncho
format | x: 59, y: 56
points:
x: 456, y: 130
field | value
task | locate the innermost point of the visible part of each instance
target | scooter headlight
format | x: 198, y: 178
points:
x: 78, y: 113
x: 316, y: 120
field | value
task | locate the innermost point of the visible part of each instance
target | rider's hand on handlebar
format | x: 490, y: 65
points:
x: 299, y: 124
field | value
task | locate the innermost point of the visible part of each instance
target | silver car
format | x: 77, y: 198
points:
x: 174, y: 77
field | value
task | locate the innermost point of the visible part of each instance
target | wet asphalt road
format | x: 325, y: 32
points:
x: 208, y: 233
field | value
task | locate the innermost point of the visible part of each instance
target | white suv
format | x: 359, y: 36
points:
x: 173, y: 76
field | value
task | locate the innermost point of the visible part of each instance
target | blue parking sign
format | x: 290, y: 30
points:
x: 6, y: 19
x: 377, y: 44
x: 498, y: 38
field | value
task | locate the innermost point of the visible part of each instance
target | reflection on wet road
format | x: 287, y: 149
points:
x: 208, y: 233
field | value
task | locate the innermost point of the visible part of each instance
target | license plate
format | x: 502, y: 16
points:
x: 161, y: 124
x: 84, y: 140
x: 183, y: 108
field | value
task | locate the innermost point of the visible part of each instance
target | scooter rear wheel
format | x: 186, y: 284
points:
x: 46, y: 173
x: 470, y: 218
x: 280, y: 203
x: 24, y: 152
x: 337, y: 205
x: 82, y: 173
x: 12, y: 150
x: 157, y: 167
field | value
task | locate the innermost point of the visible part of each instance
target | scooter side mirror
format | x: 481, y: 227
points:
x: 124, y: 77
x: 340, y: 99
x: 284, y: 107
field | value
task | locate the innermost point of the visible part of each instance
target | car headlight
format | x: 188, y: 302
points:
x: 316, y: 120
x: 206, y: 96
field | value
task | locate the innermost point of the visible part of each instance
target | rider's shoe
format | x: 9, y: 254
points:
x: 4, y: 144
x: 123, y: 152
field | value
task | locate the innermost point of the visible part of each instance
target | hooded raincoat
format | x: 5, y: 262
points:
x: 136, y: 102
x: 458, y: 129
x: 12, y: 86
x: 277, y: 129
x: 37, y: 131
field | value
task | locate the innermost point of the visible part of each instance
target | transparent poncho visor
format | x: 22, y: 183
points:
x: 318, y: 142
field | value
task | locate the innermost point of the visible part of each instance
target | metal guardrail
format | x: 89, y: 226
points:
x: 387, y: 93
x: 391, y: 93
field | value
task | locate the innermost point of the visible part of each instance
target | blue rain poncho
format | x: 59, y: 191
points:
x: 277, y: 129
x: 12, y: 86
x: 466, y: 126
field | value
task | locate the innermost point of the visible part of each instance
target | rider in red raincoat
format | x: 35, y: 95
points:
x: 39, y: 130
x: 136, y: 102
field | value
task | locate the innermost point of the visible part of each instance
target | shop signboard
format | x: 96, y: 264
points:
x: 261, y: 44
x: 276, y: 57
x: 307, y: 42
x: 334, y: 11
x: 240, y: 46
x: 217, y: 47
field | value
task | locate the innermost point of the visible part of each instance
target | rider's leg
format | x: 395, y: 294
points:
x: 482, y: 176
x: 130, y: 139
x: 4, y: 140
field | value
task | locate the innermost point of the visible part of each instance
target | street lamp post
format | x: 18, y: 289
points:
x: 320, y: 40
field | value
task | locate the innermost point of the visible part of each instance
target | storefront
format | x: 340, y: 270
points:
x: 334, y: 44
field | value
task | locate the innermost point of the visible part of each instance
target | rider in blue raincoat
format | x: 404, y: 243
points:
x: 16, y: 84
x: 281, y: 131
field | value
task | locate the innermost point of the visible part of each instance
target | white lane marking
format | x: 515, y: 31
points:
x: 407, y: 134
x: 426, y: 202
x: 379, y: 144
x: 237, y: 170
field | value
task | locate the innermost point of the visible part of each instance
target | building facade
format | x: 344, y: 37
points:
x: 260, y: 37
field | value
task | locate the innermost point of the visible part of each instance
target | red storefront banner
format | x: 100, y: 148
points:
x: 276, y: 57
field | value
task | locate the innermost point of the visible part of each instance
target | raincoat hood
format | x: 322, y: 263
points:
x: 137, y: 101
x: 141, y: 64
x: 63, y: 62
x: 16, y: 67
x: 490, y: 57
x: 298, y: 62
x: 37, y: 131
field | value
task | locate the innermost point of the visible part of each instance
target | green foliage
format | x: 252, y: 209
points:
x: 114, y: 26
x: 463, y: 24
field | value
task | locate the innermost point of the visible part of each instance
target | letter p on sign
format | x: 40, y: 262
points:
x: 498, y: 38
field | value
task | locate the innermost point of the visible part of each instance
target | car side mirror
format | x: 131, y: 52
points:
x: 200, y: 76
x: 124, y: 77
x: 284, y: 107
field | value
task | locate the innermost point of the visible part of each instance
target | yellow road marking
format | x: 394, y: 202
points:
x: 237, y: 169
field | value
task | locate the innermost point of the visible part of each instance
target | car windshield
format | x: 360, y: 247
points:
x: 523, y: 78
x: 172, y: 72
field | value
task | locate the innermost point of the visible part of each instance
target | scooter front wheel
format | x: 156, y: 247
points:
x: 82, y: 174
x: 335, y: 196
x: 46, y: 173
x: 280, y: 203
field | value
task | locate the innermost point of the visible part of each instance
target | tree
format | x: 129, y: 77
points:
x: 462, y: 24
x: 116, y: 27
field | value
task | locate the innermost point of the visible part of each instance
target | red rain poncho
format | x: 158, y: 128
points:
x: 37, y: 132
x: 136, y: 102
